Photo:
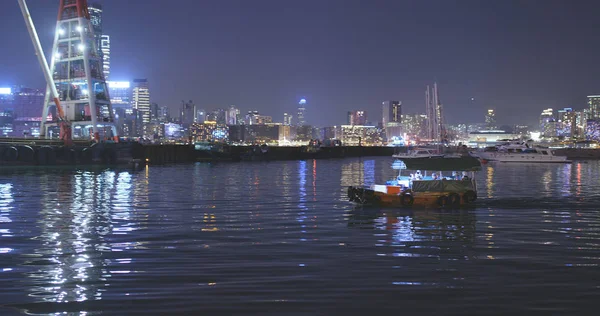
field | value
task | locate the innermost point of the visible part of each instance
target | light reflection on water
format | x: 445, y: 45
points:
x: 259, y: 237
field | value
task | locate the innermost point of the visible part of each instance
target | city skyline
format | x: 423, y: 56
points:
x: 266, y: 59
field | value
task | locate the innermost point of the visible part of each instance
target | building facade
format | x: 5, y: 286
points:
x: 594, y: 107
x: 301, y: 112
x: 141, y: 103
x: 357, y: 118
x: 547, y: 123
x: 392, y: 119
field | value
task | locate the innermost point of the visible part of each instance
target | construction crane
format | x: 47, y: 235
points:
x: 65, y: 125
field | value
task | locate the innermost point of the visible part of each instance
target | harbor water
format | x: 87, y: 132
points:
x: 281, y: 238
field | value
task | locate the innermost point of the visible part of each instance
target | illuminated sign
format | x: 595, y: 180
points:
x: 118, y: 84
x: 5, y: 91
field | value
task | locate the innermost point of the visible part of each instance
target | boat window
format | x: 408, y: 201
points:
x: 544, y: 152
x: 518, y: 150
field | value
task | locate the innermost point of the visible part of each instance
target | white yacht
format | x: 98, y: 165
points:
x: 419, y: 153
x: 520, y: 152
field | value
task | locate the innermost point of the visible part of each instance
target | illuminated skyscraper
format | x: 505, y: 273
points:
x: 231, y: 115
x: 565, y: 122
x: 490, y: 119
x: 95, y: 10
x: 287, y: 119
x: 141, y: 99
x: 357, y: 118
x: 594, y: 107
x: 392, y: 119
x: 548, y: 123
x: 120, y: 94
x: 105, y: 48
x: 102, y: 40
x: 301, y: 112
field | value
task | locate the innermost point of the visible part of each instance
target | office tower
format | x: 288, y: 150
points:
x: 105, y: 49
x: 27, y: 102
x: 102, y: 40
x: 594, y: 107
x: 548, y: 123
x: 490, y: 119
x: 357, y: 118
x: 287, y: 119
x: 231, y: 115
x: 301, y: 112
x: 120, y: 94
x: 187, y: 112
x: 392, y: 119
x: 141, y: 99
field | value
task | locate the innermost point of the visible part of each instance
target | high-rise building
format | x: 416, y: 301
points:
x: 187, y: 112
x: 547, y: 123
x: 392, y: 119
x: 27, y: 102
x: 154, y: 112
x: 287, y: 119
x: 490, y: 119
x: 579, y: 125
x: 302, y: 112
x: 565, y: 122
x: 357, y: 118
x: 594, y: 107
x: 231, y: 115
x: 105, y: 49
x: 6, y: 99
x: 200, y: 116
x: 120, y: 94
x: 141, y: 99
x: 77, y: 70
x: 220, y: 116
x: 95, y: 10
x: 101, y: 40
x: 163, y: 114
x: 414, y: 125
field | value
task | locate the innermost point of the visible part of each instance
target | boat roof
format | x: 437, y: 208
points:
x: 466, y: 163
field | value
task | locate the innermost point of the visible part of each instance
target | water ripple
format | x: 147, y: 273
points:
x: 280, y: 237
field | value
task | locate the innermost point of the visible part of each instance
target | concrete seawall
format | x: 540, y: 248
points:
x: 36, y: 152
x: 163, y: 154
x: 42, y: 152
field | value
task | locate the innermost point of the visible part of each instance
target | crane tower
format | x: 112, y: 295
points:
x: 76, y: 67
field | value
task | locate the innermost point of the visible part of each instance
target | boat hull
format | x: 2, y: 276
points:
x: 409, y: 199
x: 536, y: 158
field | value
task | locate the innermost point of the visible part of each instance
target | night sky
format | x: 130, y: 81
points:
x: 517, y: 57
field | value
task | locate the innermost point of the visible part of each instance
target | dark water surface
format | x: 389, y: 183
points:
x: 281, y: 238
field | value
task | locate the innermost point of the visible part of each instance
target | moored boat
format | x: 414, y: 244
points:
x: 521, y: 152
x: 444, y: 182
x: 419, y: 153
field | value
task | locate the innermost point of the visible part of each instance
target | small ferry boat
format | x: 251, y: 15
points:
x: 424, y: 182
x: 520, y: 152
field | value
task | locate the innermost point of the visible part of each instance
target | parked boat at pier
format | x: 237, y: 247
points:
x: 520, y: 152
x: 424, y: 182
